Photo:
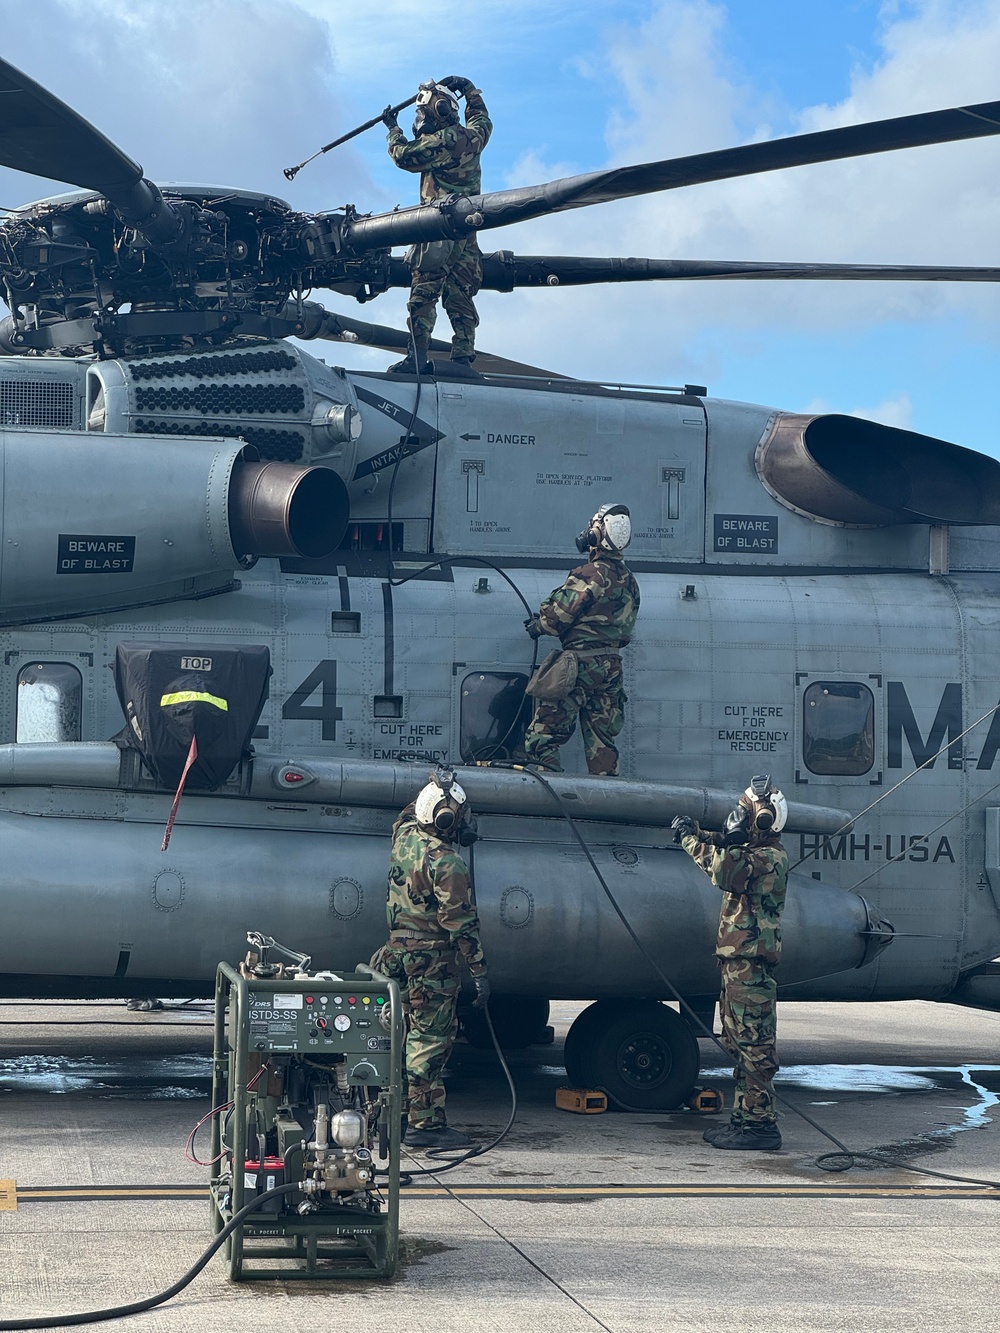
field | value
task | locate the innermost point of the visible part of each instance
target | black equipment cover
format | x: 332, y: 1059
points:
x: 171, y: 693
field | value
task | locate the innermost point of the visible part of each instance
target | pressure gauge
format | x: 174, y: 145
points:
x: 342, y: 1022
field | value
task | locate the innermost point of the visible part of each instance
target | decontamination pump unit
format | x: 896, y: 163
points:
x: 307, y: 1084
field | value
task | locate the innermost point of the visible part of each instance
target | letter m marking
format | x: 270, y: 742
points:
x: 901, y: 722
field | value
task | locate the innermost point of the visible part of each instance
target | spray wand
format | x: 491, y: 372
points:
x: 292, y: 172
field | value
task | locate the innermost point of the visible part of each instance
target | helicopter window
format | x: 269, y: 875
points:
x: 838, y: 728
x: 494, y: 716
x: 49, y: 702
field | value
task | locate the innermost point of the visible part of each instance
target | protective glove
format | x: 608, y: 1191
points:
x: 389, y: 119
x: 482, y: 985
x: 457, y: 84
x: 532, y: 626
x: 683, y: 825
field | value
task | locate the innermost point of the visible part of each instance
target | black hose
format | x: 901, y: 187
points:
x: 137, y: 1307
x: 844, y: 1155
x: 477, y: 1150
x: 449, y: 559
x: 443, y: 1155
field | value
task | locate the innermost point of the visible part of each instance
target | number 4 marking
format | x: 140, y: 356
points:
x: 323, y: 677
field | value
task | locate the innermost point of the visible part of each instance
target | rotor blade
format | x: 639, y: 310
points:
x: 504, y: 271
x: 503, y: 207
x: 311, y: 320
x: 41, y: 135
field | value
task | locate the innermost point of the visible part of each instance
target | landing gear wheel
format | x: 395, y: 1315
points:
x: 642, y: 1054
x: 518, y: 1021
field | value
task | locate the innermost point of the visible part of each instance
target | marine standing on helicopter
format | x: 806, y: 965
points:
x: 446, y: 154
x: 432, y: 923
x: 748, y: 863
x: 593, y: 614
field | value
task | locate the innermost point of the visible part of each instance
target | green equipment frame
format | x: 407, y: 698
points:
x: 317, y: 1245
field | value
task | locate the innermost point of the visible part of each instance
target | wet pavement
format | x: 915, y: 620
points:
x: 613, y: 1221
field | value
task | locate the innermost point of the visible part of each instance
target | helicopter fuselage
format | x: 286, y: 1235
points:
x: 770, y: 639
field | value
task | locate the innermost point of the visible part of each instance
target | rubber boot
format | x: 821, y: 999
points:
x: 750, y: 1136
x: 416, y: 356
x: 435, y: 1136
x: 714, y: 1131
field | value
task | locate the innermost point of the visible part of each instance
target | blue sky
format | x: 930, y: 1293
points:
x: 229, y: 91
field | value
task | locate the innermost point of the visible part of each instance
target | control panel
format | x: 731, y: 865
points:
x: 325, y: 1020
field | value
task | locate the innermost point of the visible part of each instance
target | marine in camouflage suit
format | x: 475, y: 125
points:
x: 753, y: 877
x: 594, y: 613
x: 450, y: 271
x: 433, y: 924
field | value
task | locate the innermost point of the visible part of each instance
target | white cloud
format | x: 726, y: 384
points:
x: 679, y: 94
x: 249, y: 88
x: 407, y: 40
x: 893, y: 412
x: 253, y: 85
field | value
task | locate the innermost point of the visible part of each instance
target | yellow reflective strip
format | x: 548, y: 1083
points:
x: 193, y: 697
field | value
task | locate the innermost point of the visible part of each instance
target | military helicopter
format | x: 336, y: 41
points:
x: 819, y: 598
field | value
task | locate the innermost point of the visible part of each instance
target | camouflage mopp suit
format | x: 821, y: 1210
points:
x: 753, y: 879
x: 594, y: 613
x: 432, y: 920
x: 450, y: 271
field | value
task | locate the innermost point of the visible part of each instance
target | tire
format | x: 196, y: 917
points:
x: 642, y: 1054
x: 518, y: 1020
x: 576, y: 1048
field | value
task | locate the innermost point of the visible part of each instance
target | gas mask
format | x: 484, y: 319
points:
x: 436, y: 106
x: 443, y: 806
x: 609, y: 530
x: 761, y: 812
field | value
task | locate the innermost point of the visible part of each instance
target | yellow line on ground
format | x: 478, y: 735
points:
x: 10, y: 1197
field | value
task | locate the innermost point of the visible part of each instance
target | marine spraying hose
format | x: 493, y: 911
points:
x: 444, y: 1155
x: 846, y: 1156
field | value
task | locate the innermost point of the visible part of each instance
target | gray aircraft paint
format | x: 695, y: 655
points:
x: 730, y: 638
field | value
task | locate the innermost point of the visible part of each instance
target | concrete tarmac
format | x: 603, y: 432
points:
x: 627, y: 1223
